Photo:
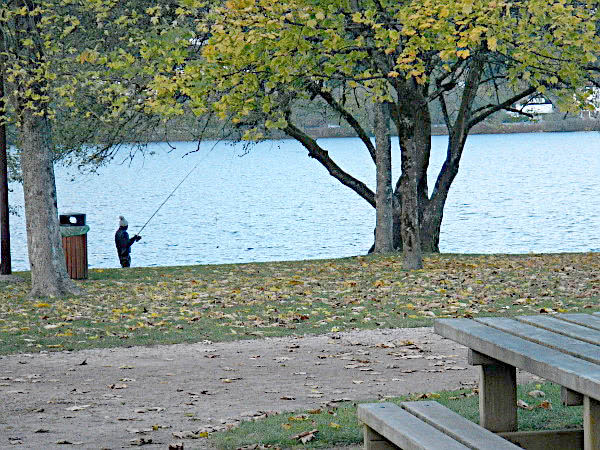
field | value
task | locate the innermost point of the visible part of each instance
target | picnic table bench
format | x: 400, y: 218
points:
x: 423, y: 425
x: 562, y: 348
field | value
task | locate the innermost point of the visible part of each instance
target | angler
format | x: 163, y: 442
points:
x: 124, y: 243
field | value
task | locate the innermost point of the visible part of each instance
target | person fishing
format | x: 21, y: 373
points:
x: 122, y: 240
x: 124, y: 243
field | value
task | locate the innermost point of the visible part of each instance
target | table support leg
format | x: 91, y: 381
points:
x: 591, y: 423
x: 375, y: 441
x: 498, y: 397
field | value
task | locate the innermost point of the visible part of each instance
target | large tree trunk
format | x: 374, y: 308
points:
x: 384, y: 228
x: 411, y: 117
x: 49, y: 276
x: 410, y: 230
x: 418, y: 132
x: 5, y: 259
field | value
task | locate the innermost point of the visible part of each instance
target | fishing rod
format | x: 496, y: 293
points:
x: 173, y: 191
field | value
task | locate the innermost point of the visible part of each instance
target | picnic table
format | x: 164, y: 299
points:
x: 562, y: 348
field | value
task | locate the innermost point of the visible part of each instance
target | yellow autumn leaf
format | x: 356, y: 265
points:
x: 464, y: 54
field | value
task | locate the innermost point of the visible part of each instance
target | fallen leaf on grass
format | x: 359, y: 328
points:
x: 334, y: 425
x: 298, y: 418
x: 545, y: 405
x: 428, y: 395
x: 537, y: 393
x: 259, y: 447
x: 463, y: 395
x: 522, y: 404
x: 306, y: 436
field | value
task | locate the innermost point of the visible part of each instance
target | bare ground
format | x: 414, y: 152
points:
x: 154, y: 396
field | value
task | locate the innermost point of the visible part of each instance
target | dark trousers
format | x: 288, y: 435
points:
x: 125, y: 260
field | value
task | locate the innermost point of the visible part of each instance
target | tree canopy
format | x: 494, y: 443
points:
x: 255, y: 62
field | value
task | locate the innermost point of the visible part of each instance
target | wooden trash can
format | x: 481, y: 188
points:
x: 74, y: 240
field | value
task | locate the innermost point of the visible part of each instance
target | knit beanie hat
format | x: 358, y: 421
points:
x: 122, y: 222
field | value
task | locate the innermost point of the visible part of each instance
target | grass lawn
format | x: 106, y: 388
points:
x: 144, y: 306
x: 339, y: 426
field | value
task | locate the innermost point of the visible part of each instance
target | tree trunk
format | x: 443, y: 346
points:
x: 410, y: 229
x: 384, y: 228
x: 49, y: 276
x: 5, y: 259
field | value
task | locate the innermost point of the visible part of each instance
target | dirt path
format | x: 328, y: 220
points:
x: 105, y: 399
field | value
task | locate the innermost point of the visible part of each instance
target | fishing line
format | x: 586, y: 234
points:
x: 176, y: 187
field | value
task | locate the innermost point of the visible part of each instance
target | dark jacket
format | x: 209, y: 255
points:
x: 123, y: 242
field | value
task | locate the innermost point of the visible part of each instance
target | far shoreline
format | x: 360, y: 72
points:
x: 554, y: 124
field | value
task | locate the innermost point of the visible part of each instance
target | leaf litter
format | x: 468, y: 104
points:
x: 256, y: 300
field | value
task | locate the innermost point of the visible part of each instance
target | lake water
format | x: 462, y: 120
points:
x: 515, y: 193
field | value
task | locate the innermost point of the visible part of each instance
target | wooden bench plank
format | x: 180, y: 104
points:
x: 404, y: 429
x: 561, y: 327
x: 456, y: 426
x: 576, y: 374
x: 565, y: 344
x: 587, y: 320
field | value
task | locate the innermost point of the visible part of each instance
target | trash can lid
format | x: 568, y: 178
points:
x: 76, y: 219
x: 67, y: 231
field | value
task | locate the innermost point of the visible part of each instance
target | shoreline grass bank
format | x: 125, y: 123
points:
x: 165, y: 305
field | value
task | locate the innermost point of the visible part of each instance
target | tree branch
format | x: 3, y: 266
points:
x: 331, y: 101
x: 321, y: 155
x: 488, y: 110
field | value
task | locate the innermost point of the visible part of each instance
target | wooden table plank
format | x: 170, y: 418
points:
x: 587, y: 320
x: 566, y: 370
x: 561, y: 327
x: 565, y: 344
